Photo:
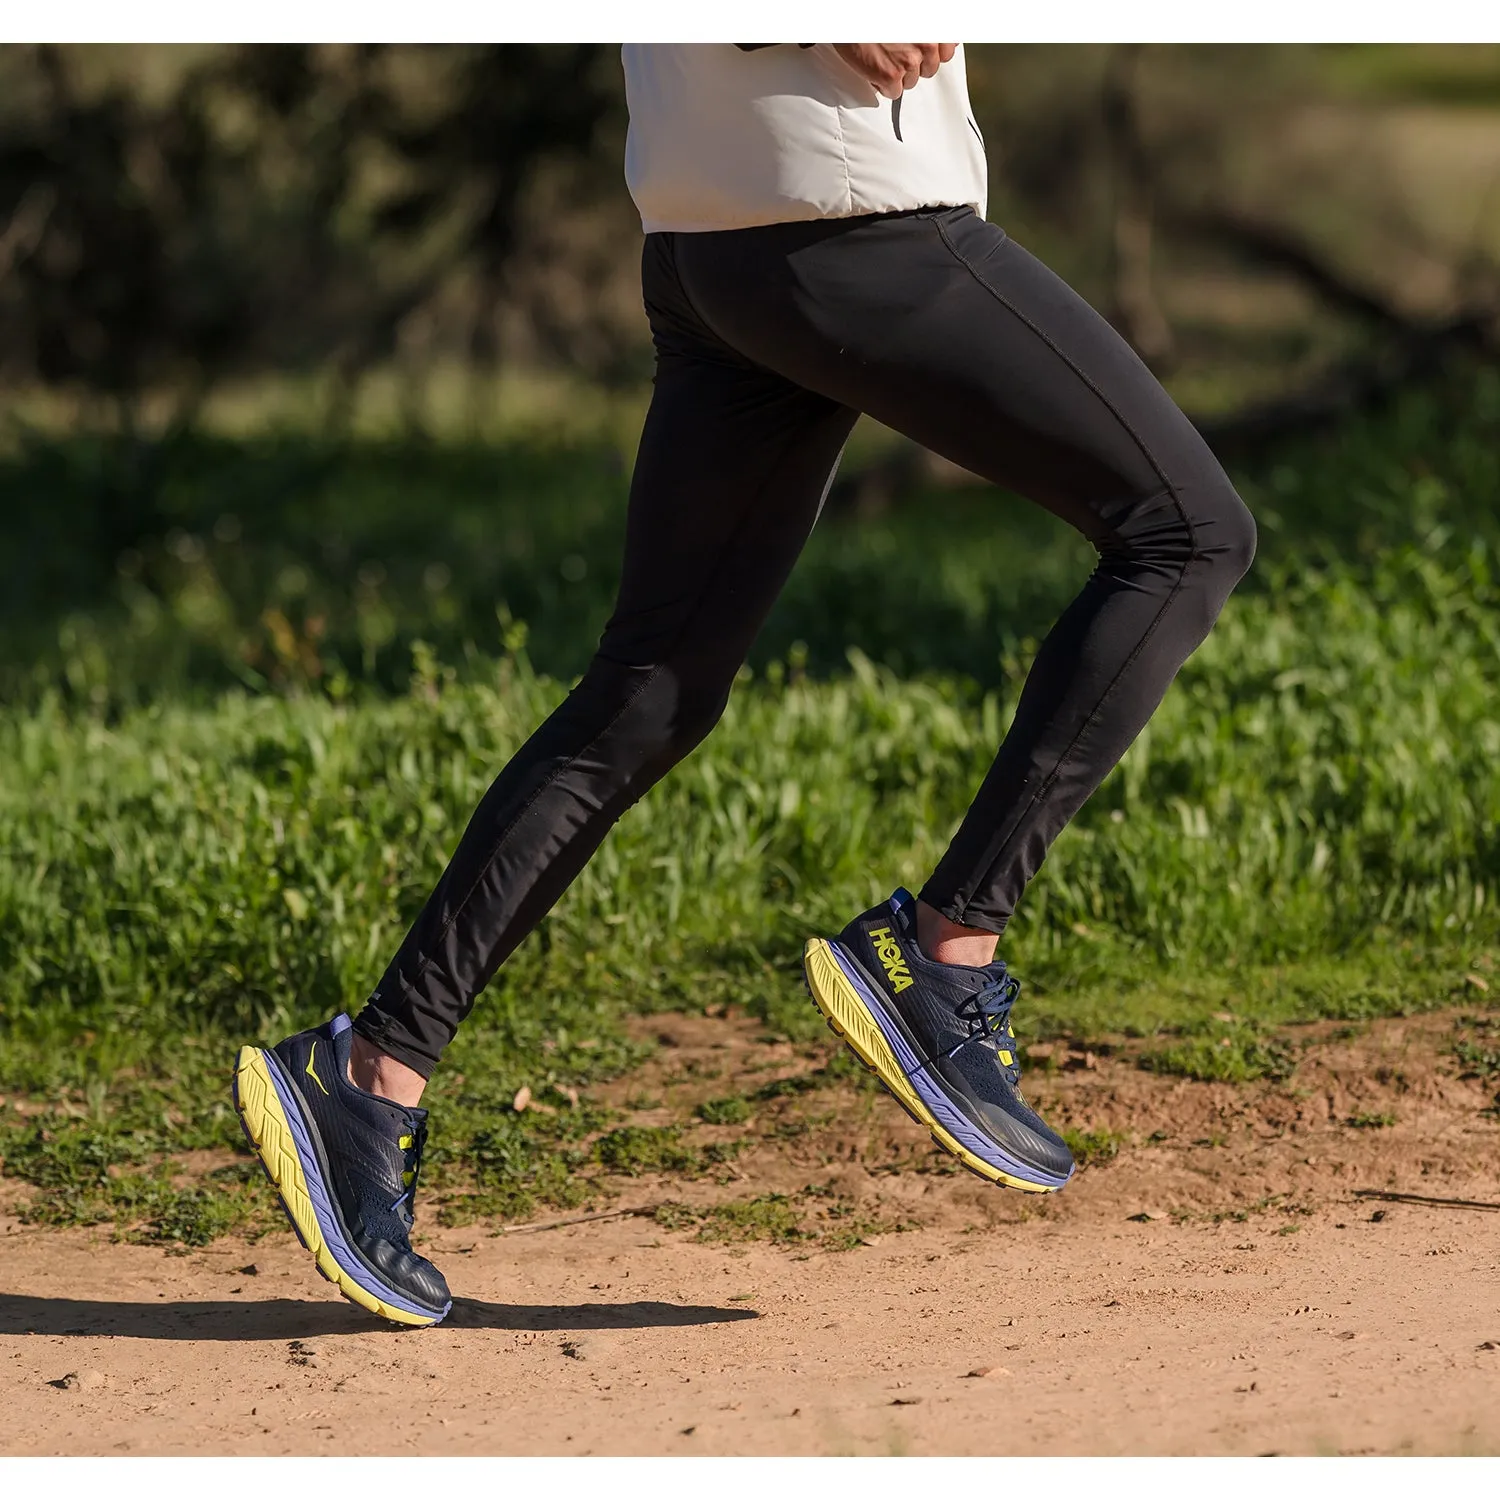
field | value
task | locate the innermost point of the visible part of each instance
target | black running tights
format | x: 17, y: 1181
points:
x: 769, y: 343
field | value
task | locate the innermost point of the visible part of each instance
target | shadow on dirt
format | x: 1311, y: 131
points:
x: 286, y: 1318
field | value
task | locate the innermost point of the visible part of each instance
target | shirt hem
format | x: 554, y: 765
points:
x: 762, y: 220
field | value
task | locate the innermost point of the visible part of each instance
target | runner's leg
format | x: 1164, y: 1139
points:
x: 733, y: 465
x: 941, y: 327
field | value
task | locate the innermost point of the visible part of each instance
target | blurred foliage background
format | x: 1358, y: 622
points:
x: 182, y: 219
x: 321, y: 372
x: 267, y: 315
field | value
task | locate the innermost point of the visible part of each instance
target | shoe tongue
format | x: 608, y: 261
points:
x: 904, y: 909
x: 340, y: 1034
x: 341, y: 1039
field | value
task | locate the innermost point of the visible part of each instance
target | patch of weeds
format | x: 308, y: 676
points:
x: 634, y: 1150
x: 553, y: 1184
x: 516, y: 1165
x: 1476, y: 1048
x: 1091, y: 1148
x: 845, y: 1067
x: 784, y: 1088
x: 773, y: 1217
x: 814, y: 1214
x: 1367, y: 1120
x: 852, y: 1225
x: 192, y: 1216
x: 1241, y: 1215
x: 697, y: 1067
x: 1477, y: 1061
x: 1290, y: 1229
x: 88, y: 1174
x: 66, y: 1156
x: 733, y: 1110
x: 716, y: 1153
x: 1235, y: 1053
x: 937, y: 1164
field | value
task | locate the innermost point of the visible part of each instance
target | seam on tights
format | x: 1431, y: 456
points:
x: 1168, y: 488
x: 428, y: 960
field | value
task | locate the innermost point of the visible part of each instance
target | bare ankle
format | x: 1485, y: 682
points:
x: 377, y: 1072
x: 947, y: 942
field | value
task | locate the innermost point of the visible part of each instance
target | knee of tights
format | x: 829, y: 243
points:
x: 1232, y: 538
x: 692, y: 719
x: 1209, y: 523
x: 1224, y: 544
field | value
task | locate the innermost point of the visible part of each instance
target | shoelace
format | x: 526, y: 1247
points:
x: 412, y: 1146
x: 988, y: 1012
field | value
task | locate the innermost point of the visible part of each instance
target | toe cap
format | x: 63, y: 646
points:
x: 407, y: 1272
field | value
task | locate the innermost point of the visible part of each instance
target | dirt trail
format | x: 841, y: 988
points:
x: 1263, y: 1307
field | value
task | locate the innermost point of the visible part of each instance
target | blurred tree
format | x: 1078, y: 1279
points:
x: 274, y: 208
x: 1279, y: 230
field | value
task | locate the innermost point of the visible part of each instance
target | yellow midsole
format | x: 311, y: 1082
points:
x: 265, y: 1119
x: 851, y: 1019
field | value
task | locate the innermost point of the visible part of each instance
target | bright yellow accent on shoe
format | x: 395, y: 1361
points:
x: 311, y: 1057
x: 406, y: 1143
x: 850, y: 1018
x: 265, y: 1119
x: 888, y: 951
x: 408, y: 1178
x: 1006, y: 1058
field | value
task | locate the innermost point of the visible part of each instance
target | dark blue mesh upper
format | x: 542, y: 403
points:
x: 939, y: 1012
x: 368, y: 1166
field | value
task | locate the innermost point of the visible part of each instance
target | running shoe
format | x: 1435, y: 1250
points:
x: 938, y: 1037
x: 345, y: 1163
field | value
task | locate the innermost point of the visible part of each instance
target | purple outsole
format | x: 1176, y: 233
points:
x: 317, y: 1191
x: 948, y: 1117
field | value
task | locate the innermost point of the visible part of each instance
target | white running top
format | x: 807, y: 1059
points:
x: 721, y: 138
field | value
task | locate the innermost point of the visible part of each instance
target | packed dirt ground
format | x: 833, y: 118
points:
x: 1299, y: 1267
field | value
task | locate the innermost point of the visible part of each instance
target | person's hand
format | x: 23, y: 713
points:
x: 894, y: 67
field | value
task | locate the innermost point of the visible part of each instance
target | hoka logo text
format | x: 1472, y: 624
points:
x: 888, y: 951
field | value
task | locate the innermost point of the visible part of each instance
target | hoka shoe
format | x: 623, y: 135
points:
x: 938, y: 1037
x: 345, y: 1163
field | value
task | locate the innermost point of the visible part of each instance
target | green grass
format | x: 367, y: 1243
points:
x: 1476, y: 1047
x: 816, y: 1215
x: 1294, y: 837
x: 1093, y: 1147
x: 637, y: 1149
x: 1306, y: 830
x: 1219, y: 1053
x: 734, y: 1109
x: 286, y: 563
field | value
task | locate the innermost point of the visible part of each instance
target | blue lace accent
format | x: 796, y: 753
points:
x: 987, y: 1011
x: 411, y: 1161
